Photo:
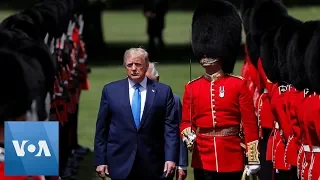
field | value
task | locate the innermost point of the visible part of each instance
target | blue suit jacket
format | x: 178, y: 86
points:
x: 183, y: 157
x: 117, y: 140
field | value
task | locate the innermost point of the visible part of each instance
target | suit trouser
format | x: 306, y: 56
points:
x: 266, y: 170
x: 200, y: 174
x: 139, y: 172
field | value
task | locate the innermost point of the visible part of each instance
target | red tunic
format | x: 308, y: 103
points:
x: 3, y: 177
x: 267, y: 117
x: 250, y: 73
x: 220, y: 101
x: 293, y: 99
x: 301, y: 109
x: 282, y: 126
x: 254, y: 83
x: 312, y: 133
x: 266, y: 120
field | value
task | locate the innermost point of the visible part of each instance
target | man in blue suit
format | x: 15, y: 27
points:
x: 181, y: 172
x: 137, y: 135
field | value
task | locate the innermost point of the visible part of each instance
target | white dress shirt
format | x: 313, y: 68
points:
x: 143, y: 92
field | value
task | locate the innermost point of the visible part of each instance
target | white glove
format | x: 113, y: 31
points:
x: 252, y: 169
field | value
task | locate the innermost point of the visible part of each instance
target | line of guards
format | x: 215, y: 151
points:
x: 43, y: 46
x: 282, y: 70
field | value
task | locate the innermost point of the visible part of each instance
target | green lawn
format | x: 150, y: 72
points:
x: 129, y: 26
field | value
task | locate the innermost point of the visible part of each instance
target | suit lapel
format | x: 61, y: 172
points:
x: 126, y: 102
x: 151, y: 92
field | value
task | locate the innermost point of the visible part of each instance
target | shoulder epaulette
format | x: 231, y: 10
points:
x: 194, y: 79
x: 236, y: 76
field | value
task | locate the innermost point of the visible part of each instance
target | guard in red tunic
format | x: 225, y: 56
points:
x: 266, y: 120
x: 217, y: 103
x: 276, y: 93
x: 294, y: 153
x: 296, y: 94
x: 262, y: 106
x: 276, y: 90
x: 260, y: 27
x: 302, y: 169
x: 311, y: 116
x: 310, y: 167
x: 18, y: 91
x: 281, y: 42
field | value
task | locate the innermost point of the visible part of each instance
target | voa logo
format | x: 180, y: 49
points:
x: 31, y: 148
x: 40, y: 148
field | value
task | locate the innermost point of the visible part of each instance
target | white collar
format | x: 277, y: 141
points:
x: 143, y: 83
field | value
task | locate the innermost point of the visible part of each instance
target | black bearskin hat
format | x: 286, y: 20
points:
x: 27, y: 68
x: 246, y: 20
x: 245, y: 10
x: 252, y: 50
x: 281, y: 41
x: 269, y: 64
x: 296, y: 54
x: 216, y: 32
x: 24, y: 23
x: 266, y: 15
x: 21, y: 78
x: 312, y: 61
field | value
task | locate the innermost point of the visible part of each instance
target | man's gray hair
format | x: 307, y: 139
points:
x: 136, y: 52
x: 153, y: 70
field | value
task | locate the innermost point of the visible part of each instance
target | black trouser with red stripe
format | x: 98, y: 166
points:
x: 287, y: 175
x: 73, y: 122
x: 64, y: 147
x: 266, y: 170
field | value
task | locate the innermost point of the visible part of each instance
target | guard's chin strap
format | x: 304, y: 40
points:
x: 1, y: 152
x: 33, y: 114
x: 208, y: 61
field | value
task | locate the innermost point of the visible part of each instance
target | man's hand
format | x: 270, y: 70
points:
x: 252, y: 169
x: 181, y: 174
x: 102, y: 171
x: 149, y: 14
x: 169, y: 168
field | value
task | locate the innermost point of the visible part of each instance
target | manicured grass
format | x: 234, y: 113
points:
x: 130, y: 26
